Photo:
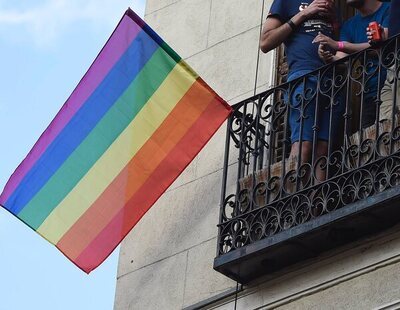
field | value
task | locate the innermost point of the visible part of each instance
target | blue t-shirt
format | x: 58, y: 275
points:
x: 354, y: 31
x: 301, y: 53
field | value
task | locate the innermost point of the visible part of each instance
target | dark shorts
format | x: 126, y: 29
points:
x: 303, y: 99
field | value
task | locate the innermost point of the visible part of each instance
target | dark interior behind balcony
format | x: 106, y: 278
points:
x: 277, y: 207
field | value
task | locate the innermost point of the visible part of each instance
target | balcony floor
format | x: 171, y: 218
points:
x: 308, y: 240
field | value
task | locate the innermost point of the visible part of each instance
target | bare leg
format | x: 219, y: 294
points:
x: 306, y: 148
x: 306, y: 152
x: 322, y: 150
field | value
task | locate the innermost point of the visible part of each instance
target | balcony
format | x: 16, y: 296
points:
x: 278, y: 208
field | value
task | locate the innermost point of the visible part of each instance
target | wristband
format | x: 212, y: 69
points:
x: 340, y: 46
x: 291, y: 24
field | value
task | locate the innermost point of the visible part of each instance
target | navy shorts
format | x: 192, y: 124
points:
x: 302, y: 110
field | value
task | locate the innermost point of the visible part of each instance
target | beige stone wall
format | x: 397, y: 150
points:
x: 166, y: 261
x: 363, y: 275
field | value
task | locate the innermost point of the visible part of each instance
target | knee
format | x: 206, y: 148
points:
x: 306, y: 151
x: 307, y: 147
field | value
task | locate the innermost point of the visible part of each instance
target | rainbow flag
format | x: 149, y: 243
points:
x: 134, y: 122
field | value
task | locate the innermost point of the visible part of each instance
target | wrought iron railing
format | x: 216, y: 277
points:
x: 268, y: 189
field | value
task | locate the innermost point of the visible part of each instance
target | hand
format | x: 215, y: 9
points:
x: 326, y: 56
x: 332, y: 14
x: 326, y: 41
x: 322, y: 7
x: 369, y: 34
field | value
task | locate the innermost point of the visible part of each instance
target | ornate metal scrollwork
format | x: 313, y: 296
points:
x: 276, y: 192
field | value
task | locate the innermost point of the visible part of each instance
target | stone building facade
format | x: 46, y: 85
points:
x: 166, y: 262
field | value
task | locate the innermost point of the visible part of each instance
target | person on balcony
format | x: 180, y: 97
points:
x: 296, y: 23
x: 353, y: 38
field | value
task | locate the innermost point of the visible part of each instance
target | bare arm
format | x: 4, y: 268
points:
x: 353, y: 47
x: 347, y: 47
x: 275, y: 32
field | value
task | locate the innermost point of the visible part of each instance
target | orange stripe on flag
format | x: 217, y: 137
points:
x: 132, y: 177
x: 152, y: 189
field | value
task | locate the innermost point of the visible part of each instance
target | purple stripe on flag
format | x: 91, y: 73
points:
x: 118, y: 43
